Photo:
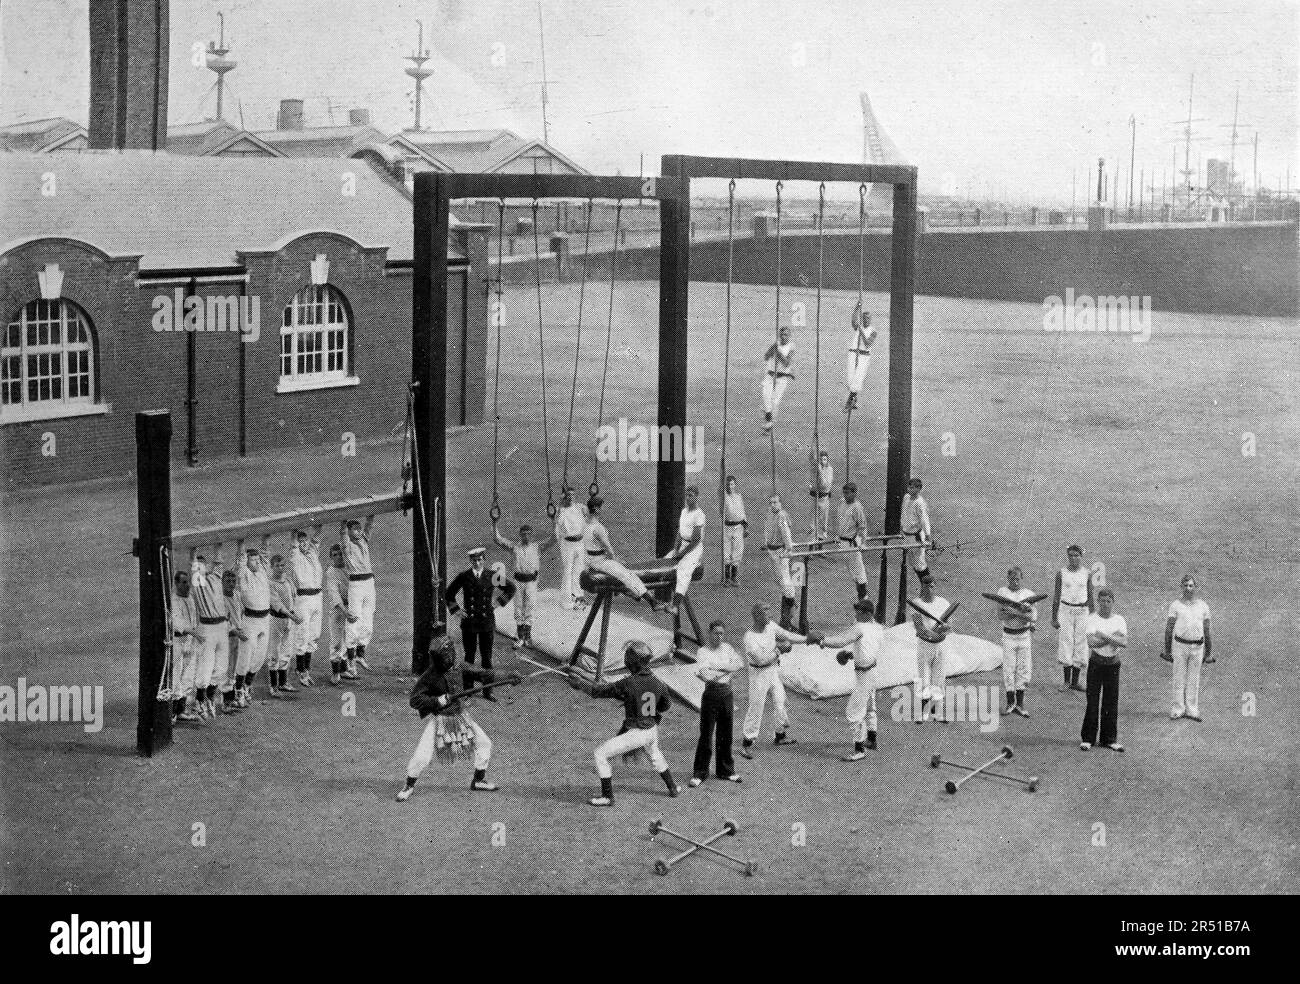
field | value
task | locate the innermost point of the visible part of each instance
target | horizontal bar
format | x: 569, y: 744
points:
x: 332, y: 512
x: 866, y: 539
x: 540, y: 186
x: 747, y: 167
x: 798, y: 554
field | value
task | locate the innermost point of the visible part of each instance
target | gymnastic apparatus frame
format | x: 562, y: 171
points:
x: 902, y: 293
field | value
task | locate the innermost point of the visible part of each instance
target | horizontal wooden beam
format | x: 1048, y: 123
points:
x: 742, y: 168
x: 332, y: 512
x: 549, y: 186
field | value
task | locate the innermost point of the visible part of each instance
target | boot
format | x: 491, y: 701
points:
x: 862, y: 591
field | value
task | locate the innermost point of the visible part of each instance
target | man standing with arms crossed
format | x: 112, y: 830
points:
x: 1072, y: 603
x: 851, y: 526
x: 1107, y: 634
x: 715, y: 664
x: 1187, y: 644
x: 866, y: 637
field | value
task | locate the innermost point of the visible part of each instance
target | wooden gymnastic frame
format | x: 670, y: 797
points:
x: 902, y: 292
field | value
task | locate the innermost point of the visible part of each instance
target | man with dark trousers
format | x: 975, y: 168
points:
x: 478, y: 621
x: 1107, y: 634
x: 715, y: 663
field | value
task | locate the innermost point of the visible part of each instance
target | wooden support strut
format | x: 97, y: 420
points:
x: 322, y: 515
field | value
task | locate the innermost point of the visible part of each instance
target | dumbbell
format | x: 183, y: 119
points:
x: 729, y: 828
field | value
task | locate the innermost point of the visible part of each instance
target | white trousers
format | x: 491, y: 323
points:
x: 183, y: 665
x: 361, y: 602
x: 930, y: 677
x: 853, y: 561
x: 1187, y: 677
x: 686, y: 565
x: 211, y: 653
x: 307, y: 632
x: 603, y: 565
x: 733, y: 544
x: 916, y: 555
x: 573, y: 558
x: 258, y: 631
x: 763, y: 682
x: 1016, y: 660
x: 338, y: 636
x: 424, y: 750
x: 861, y: 709
x: 279, y: 646
x: 855, y: 373
x: 773, y: 390
x: 781, y: 568
x: 1071, y: 640
x: 821, y: 517
x: 628, y: 741
x: 525, y: 600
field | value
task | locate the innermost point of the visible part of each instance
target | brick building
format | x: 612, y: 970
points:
x: 298, y: 272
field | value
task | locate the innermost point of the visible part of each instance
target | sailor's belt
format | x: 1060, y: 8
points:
x: 368, y: 576
x: 862, y: 669
x: 217, y: 620
x: 307, y: 592
x: 779, y: 546
x: 177, y: 634
x: 849, y: 539
x: 256, y: 612
x: 279, y: 615
x: 522, y: 576
x: 764, y: 666
x: 1189, y: 642
x: 595, y: 553
x: 574, y: 539
x: 734, y: 522
x: 823, y: 495
x: 1075, y: 604
x: 778, y: 375
x: 1020, y: 631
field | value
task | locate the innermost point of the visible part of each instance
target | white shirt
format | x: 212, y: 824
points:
x: 935, y: 607
x: 867, y: 638
x: 1012, y: 619
x: 825, y: 480
x: 526, y: 559
x: 717, y: 665
x: 336, y: 588
x: 1074, y: 585
x: 916, y: 515
x: 760, y: 647
x: 356, y: 555
x: 687, y: 524
x: 570, y: 520
x: 254, y: 588
x: 733, y: 507
x: 1111, y: 626
x: 781, y: 361
x: 1190, y: 618
x: 304, y: 567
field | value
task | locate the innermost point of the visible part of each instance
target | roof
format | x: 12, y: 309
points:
x: 482, y: 151
x: 180, y: 212
x: 212, y: 137
x: 322, y: 141
x: 40, y: 135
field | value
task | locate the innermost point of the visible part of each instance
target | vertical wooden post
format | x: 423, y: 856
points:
x: 428, y: 377
x: 674, y: 284
x: 153, y: 485
x: 902, y: 283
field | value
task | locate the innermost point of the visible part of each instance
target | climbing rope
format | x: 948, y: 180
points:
x: 594, y: 488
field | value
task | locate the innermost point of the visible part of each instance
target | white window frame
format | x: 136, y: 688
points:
x: 61, y: 315
x: 299, y: 336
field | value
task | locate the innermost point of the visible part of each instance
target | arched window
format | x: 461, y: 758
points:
x: 314, y: 338
x: 47, y: 361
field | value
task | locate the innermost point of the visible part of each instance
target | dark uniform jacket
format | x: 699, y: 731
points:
x: 435, y: 683
x: 476, y: 600
x: 644, y: 697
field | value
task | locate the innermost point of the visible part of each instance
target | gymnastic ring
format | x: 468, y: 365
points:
x: 593, y: 489
x: 495, y: 512
x: 551, y: 510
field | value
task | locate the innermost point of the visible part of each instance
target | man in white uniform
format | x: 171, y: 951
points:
x: 1072, y: 603
x: 1107, y: 634
x: 823, y: 476
x: 255, y: 595
x: 361, y: 589
x: 569, y: 524
x: 855, y: 372
x: 1187, y: 644
x: 763, y: 655
x: 212, y: 650
x: 780, y: 361
x: 866, y: 638
x: 930, y: 650
x: 851, y: 527
x: 915, y: 522
x: 185, y: 636
x: 1018, y: 625
x: 527, y: 562
x: 690, y: 543
x: 306, y: 576
x: 778, y: 543
x: 336, y: 601
x: 600, y: 557
x: 735, y: 529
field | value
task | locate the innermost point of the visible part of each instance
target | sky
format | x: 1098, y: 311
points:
x: 1016, y: 96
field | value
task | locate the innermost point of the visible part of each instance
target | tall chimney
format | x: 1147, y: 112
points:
x: 359, y: 117
x: 290, y: 117
x: 128, y: 74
